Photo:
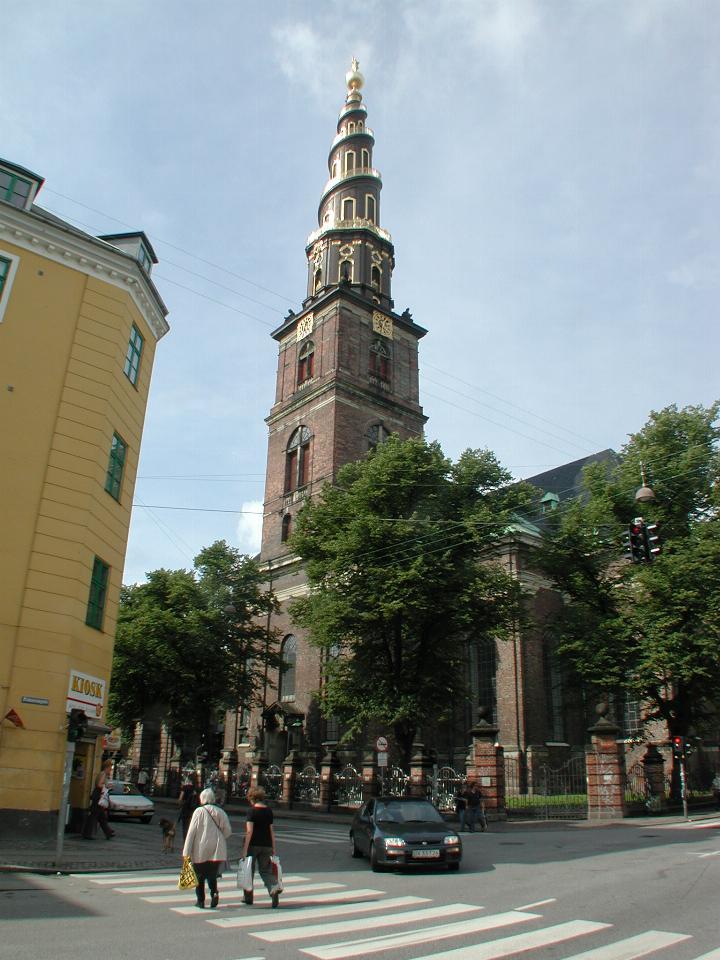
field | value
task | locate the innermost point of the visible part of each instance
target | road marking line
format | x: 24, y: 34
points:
x: 346, y: 926
x: 713, y: 853
x: 355, y: 948
x: 632, y: 947
x: 296, y: 913
x: 348, y: 896
x: 520, y: 942
x: 540, y: 903
x: 713, y: 955
x: 223, y: 885
x: 236, y: 895
x: 107, y: 879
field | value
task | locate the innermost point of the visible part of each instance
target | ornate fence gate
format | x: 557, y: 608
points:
x: 547, y: 793
x: 444, y: 786
x: 307, y: 785
x: 347, y: 790
x: 272, y: 782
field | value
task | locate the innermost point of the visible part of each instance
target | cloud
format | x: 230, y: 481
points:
x: 249, y: 528
x: 300, y: 52
x: 700, y: 273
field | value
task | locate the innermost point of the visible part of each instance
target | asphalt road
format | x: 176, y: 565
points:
x: 543, y: 891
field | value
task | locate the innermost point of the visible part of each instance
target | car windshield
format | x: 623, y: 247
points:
x: 127, y: 789
x: 407, y: 811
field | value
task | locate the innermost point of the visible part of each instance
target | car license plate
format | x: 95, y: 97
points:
x: 426, y: 854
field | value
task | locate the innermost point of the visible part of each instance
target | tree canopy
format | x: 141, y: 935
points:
x: 397, y: 557
x: 191, y: 644
x: 651, y: 629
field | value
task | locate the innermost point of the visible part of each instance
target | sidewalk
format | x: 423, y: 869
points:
x: 138, y: 846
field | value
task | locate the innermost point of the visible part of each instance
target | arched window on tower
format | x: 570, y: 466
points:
x: 348, y: 208
x: 379, y: 360
x: 288, y: 661
x: 377, y: 434
x: 317, y: 281
x: 334, y: 169
x: 346, y: 270
x: 365, y: 158
x: 350, y: 161
x: 351, y: 126
x: 286, y: 528
x: 370, y: 208
x: 376, y: 278
x: 298, y: 460
x: 306, y: 362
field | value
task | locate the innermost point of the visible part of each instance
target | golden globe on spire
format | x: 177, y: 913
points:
x: 354, y: 80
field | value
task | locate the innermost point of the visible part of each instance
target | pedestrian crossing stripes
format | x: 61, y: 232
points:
x: 329, y: 920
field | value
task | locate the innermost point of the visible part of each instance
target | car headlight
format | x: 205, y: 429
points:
x: 394, y: 842
x: 451, y: 840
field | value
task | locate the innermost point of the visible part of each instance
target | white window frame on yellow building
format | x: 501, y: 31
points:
x: 14, y: 260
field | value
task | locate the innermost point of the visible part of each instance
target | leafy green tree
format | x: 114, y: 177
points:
x: 397, y: 556
x: 188, y: 647
x: 650, y: 629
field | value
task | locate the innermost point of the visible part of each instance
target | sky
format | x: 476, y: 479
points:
x: 551, y: 171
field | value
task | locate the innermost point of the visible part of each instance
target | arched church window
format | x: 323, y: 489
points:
x: 348, y: 208
x: 334, y: 169
x: 364, y: 158
x: 377, y: 434
x: 288, y: 661
x: 370, y: 208
x: 351, y: 127
x: 350, y: 161
x: 306, y: 362
x: 483, y: 672
x: 376, y: 277
x: 286, y: 528
x: 346, y: 270
x: 379, y: 360
x: 298, y: 460
x: 317, y: 281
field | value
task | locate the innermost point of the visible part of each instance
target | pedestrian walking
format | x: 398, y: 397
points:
x: 475, y: 809
x: 188, y: 803
x: 260, y: 843
x: 99, y: 806
x: 206, y: 845
x: 142, y: 780
x: 461, y: 807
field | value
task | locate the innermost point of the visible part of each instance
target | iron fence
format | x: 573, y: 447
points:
x: 347, y: 789
x: 307, y: 785
x: 548, y: 792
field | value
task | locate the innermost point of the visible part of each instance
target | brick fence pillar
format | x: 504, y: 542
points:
x: 258, y: 768
x: 485, y: 766
x: 605, y: 759
x: 654, y: 767
x: 291, y: 765
x: 421, y: 765
x: 369, y: 775
x: 328, y: 768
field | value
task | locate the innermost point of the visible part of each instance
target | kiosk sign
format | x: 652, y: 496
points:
x: 85, y: 693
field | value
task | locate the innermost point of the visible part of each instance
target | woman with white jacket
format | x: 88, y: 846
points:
x: 205, y: 844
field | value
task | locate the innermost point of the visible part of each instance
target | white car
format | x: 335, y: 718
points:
x: 128, y: 803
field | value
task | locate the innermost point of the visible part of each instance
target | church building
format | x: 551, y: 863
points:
x: 347, y: 378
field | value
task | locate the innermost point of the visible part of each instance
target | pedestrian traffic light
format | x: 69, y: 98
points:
x: 77, y: 725
x: 652, y: 540
x: 636, y: 539
x: 678, y: 747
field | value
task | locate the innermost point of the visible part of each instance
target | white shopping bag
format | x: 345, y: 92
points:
x: 276, y: 867
x: 245, y: 874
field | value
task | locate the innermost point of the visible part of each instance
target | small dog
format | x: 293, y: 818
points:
x: 168, y: 831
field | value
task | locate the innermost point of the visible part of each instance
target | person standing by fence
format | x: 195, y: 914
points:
x: 476, y: 809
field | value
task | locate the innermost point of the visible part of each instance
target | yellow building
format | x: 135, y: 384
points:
x: 79, y: 321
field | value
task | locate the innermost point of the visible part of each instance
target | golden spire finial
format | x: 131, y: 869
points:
x: 354, y: 80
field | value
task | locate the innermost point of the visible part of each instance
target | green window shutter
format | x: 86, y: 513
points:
x: 116, y: 466
x: 134, y: 352
x: 98, y: 593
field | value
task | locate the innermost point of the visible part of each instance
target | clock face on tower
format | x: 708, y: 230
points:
x: 382, y: 324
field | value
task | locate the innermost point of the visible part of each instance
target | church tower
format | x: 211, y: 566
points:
x: 347, y: 377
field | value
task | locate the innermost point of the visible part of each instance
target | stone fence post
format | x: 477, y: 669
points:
x: 328, y: 768
x: 421, y: 764
x: 291, y: 765
x: 258, y: 768
x: 605, y: 759
x: 369, y: 775
x: 485, y: 766
x: 654, y: 767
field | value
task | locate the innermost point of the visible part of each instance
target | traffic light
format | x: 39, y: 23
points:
x: 77, y: 725
x: 678, y: 747
x: 652, y: 540
x: 636, y: 541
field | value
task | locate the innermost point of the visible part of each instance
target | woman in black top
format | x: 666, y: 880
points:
x: 260, y: 842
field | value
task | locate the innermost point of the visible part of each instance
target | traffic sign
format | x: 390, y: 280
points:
x: 382, y: 758
x: 381, y: 744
